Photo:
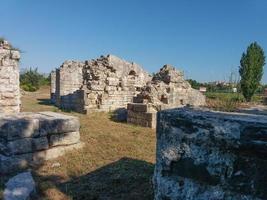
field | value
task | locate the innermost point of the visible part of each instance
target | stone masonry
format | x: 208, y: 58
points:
x: 53, y: 87
x: 32, y: 138
x: 168, y: 89
x: 104, y: 84
x: 9, y: 79
x: 28, y: 138
x: 208, y: 155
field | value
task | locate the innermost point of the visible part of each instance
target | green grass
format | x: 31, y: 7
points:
x: 117, y: 161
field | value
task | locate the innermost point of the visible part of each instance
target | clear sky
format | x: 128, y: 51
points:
x: 204, y: 38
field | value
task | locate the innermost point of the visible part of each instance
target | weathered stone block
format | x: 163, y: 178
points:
x: 205, y: 154
x: 24, y: 138
x: 64, y: 139
x: 52, y: 123
x: 27, y: 145
x: 16, y: 127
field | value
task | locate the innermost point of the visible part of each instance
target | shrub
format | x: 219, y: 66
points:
x: 31, y: 80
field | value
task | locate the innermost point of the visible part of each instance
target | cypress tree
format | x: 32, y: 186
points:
x: 251, y: 70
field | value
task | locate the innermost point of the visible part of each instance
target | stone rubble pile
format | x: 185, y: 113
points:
x: 168, y: 89
x: 32, y: 138
x: 9, y: 79
x: 207, y: 155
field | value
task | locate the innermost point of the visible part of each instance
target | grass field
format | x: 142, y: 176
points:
x: 117, y: 161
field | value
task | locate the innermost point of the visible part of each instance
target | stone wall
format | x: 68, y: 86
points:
x: 9, y: 79
x: 70, y: 81
x: 53, y: 87
x: 168, y: 89
x: 208, y: 155
x: 104, y: 84
x: 32, y: 138
x: 111, y: 83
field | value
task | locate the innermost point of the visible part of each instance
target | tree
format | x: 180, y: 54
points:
x: 251, y: 70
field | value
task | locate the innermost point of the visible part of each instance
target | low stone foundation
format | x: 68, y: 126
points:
x: 141, y: 114
x: 31, y: 138
x: 204, y: 155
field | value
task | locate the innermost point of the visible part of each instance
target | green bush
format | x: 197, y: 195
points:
x: 31, y: 80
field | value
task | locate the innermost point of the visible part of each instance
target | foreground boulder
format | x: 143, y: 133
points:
x: 20, y: 187
x: 206, y: 155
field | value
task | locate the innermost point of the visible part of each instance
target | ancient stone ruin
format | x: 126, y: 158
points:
x: 168, y: 89
x: 32, y: 138
x: 104, y: 84
x: 9, y: 79
x: 28, y: 138
x: 209, y: 155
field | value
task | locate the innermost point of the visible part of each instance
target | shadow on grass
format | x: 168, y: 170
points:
x: 119, y: 115
x: 124, y: 179
x: 46, y: 102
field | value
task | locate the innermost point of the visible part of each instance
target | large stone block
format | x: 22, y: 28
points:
x: 64, y: 139
x: 51, y: 123
x: 204, y: 154
x: 13, y: 163
x: 29, y: 138
x: 19, y: 126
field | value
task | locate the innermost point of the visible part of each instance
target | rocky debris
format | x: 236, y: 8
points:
x: 208, y: 155
x: 168, y: 89
x: 56, y: 165
x: 9, y: 79
x: 20, y: 187
x: 31, y: 138
x: 103, y: 84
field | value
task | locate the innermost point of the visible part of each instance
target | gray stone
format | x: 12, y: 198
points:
x: 9, y: 164
x: 9, y: 80
x: 29, y: 138
x: 20, y: 187
x: 64, y: 139
x: 204, y: 154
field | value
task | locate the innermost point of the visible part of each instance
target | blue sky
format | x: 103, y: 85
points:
x: 203, y: 38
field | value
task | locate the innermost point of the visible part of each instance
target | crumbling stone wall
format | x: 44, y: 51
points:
x: 70, y: 81
x: 9, y: 79
x: 32, y: 138
x: 168, y: 89
x: 111, y: 83
x: 208, y: 155
x: 53, y: 87
x: 102, y: 84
